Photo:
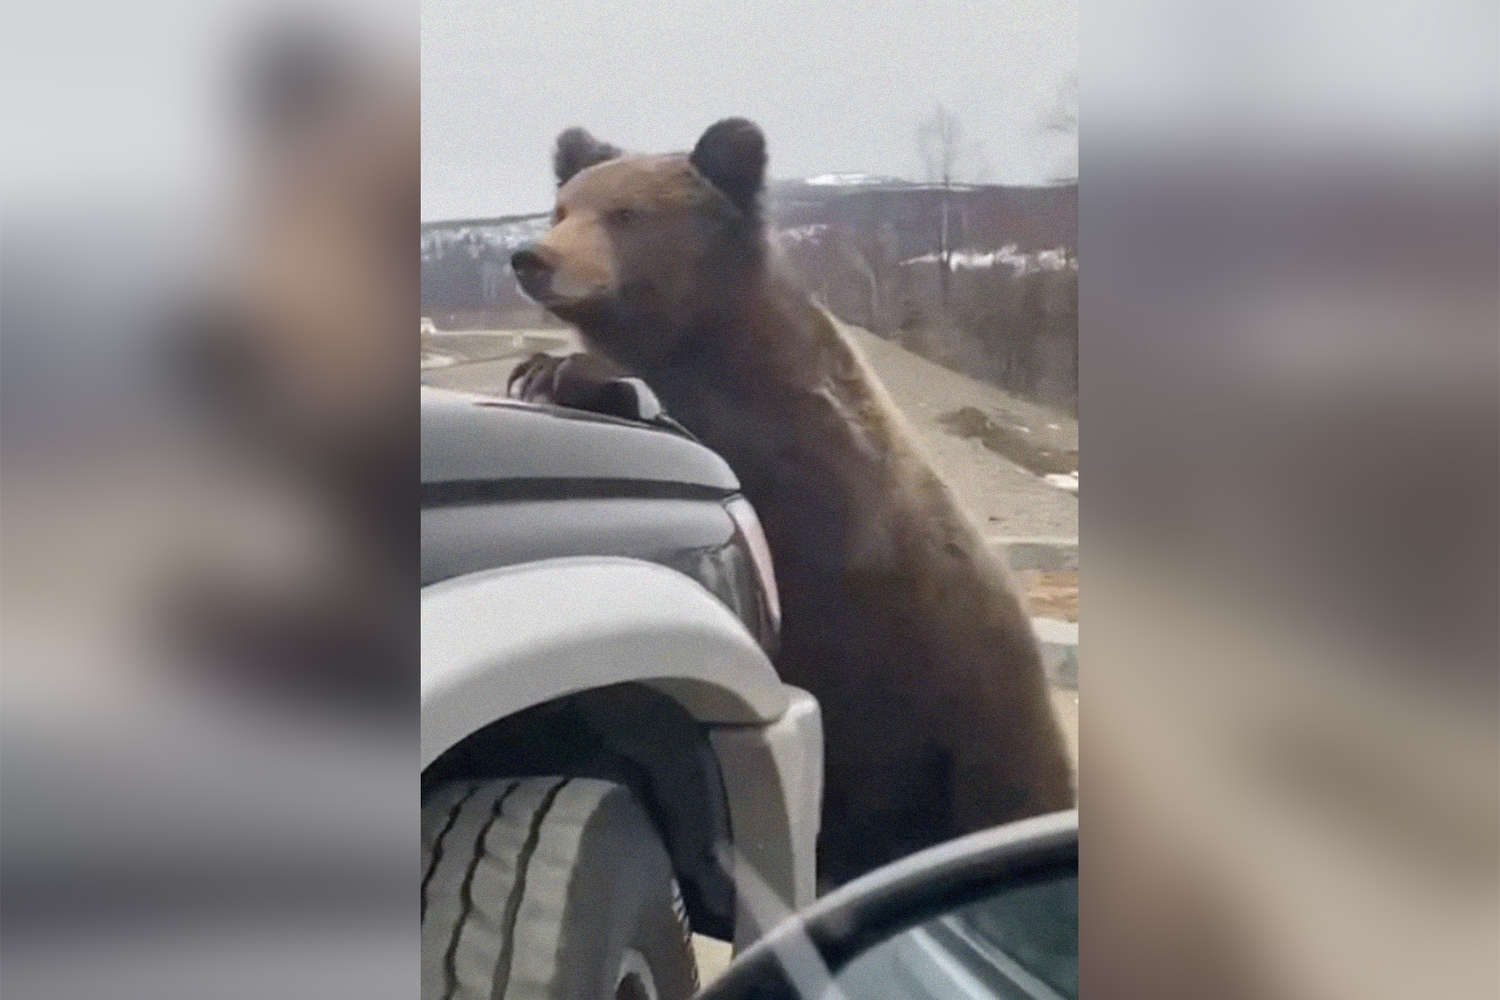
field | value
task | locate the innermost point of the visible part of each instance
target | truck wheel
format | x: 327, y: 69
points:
x: 549, y: 889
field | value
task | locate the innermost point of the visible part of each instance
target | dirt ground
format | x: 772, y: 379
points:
x: 1004, y: 497
x: 1051, y: 595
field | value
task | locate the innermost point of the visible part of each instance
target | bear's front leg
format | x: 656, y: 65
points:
x: 575, y: 380
x: 582, y: 382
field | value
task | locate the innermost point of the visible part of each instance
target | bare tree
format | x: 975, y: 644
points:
x: 1062, y: 118
x: 940, y: 141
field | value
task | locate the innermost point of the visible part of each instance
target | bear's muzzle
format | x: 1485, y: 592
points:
x: 533, y: 273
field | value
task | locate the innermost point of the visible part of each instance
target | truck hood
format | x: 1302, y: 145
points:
x: 474, y: 443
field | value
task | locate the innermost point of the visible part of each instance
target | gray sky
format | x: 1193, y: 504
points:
x: 837, y: 88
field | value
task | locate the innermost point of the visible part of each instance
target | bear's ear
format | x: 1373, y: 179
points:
x: 575, y: 150
x: 731, y: 155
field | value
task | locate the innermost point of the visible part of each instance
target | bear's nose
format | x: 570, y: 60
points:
x: 532, y: 270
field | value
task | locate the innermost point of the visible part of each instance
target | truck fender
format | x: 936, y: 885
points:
x: 502, y: 640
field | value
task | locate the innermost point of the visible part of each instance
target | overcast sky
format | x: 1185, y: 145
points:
x: 836, y: 87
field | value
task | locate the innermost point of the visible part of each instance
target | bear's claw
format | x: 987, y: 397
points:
x: 534, y: 380
x: 584, y: 382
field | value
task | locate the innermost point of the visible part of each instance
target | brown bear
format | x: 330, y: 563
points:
x: 898, y: 617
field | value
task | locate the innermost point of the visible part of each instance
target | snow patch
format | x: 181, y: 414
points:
x: 840, y: 180
x: 1009, y: 255
x: 802, y: 234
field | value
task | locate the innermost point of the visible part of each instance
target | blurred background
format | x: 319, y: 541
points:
x: 208, y: 495
x: 1287, y: 351
x: 1289, y: 343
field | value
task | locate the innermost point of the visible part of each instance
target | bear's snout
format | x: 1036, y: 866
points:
x: 532, y: 272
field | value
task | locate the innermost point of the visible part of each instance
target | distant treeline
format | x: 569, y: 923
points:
x: 873, y: 254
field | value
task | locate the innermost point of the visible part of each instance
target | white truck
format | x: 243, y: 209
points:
x: 608, y: 756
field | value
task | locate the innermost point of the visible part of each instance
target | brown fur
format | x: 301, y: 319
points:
x: 898, y: 617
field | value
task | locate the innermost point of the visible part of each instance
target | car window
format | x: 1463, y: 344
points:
x: 1019, y: 945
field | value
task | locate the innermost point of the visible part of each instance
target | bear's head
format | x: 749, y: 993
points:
x: 644, y: 251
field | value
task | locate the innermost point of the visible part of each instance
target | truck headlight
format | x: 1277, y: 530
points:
x: 748, y: 525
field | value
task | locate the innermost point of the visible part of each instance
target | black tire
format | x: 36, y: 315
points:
x: 549, y: 889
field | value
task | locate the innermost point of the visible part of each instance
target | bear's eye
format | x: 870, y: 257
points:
x: 558, y: 214
x: 622, y: 216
